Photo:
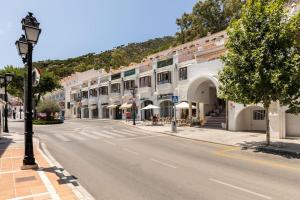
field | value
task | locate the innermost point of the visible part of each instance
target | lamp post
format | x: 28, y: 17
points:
x: 5, y: 80
x: 25, y: 47
x: 133, y: 91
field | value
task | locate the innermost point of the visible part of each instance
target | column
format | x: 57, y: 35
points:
x: 100, y: 111
x: 198, y: 110
x: 82, y: 112
x: 190, y: 110
x: 90, y: 113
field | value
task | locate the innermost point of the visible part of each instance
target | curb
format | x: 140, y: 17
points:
x: 79, y: 191
x: 182, y: 137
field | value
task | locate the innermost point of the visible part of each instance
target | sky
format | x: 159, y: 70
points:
x: 72, y: 28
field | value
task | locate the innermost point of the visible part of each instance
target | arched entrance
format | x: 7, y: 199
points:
x: 292, y: 124
x: 166, y: 109
x: 251, y: 118
x: 105, y: 112
x: 146, y: 114
x: 202, y: 92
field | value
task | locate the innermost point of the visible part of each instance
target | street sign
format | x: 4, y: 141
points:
x: 175, y: 99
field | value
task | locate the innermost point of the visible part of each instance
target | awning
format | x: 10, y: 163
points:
x: 112, y: 106
x: 126, y: 106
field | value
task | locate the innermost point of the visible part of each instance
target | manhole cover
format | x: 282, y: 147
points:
x: 24, y: 179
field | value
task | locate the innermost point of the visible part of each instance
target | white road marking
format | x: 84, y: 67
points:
x: 163, y: 163
x: 30, y: 196
x: 142, y: 137
x: 130, y: 151
x: 61, y: 137
x: 109, y: 142
x: 124, y: 132
x: 89, y: 135
x: 113, y: 134
x: 240, y: 188
x: 76, y: 136
x: 102, y: 134
x: 137, y: 132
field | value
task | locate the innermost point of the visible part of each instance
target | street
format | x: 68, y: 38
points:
x: 116, y: 161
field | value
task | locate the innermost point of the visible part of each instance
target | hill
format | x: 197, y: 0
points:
x: 120, y: 56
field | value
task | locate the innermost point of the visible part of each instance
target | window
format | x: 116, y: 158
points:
x: 129, y: 72
x: 183, y: 73
x: 115, y: 88
x: 145, y: 81
x: 259, y: 114
x: 129, y: 84
x: 115, y: 76
x: 85, y: 94
x: 93, y: 93
x: 164, y: 63
x: 103, y: 90
x: 164, y: 77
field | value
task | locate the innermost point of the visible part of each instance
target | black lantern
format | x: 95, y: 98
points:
x: 22, y: 46
x: 31, y: 28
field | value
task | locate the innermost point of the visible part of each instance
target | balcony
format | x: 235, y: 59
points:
x: 104, y: 98
x: 84, y: 101
x: 164, y: 88
x: 145, y: 92
x: 93, y: 100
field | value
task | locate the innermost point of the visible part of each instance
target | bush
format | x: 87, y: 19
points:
x: 47, y: 122
x: 48, y: 107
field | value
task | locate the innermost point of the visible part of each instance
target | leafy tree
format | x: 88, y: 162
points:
x: 48, y: 107
x: 209, y: 16
x: 48, y: 83
x: 16, y: 87
x: 262, y: 62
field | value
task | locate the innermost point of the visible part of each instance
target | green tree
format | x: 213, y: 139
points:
x: 48, y: 83
x: 48, y: 107
x: 262, y: 61
x: 209, y: 16
x: 16, y: 87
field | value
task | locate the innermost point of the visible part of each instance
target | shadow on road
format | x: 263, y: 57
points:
x: 284, y: 149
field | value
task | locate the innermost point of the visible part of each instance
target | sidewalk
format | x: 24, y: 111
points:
x: 44, y: 183
x: 245, y: 140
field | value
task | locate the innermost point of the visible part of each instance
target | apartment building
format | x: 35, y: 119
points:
x: 189, y: 71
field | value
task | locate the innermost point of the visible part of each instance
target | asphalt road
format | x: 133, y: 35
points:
x: 114, y: 161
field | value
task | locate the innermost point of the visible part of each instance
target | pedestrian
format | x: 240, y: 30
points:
x: 14, y: 114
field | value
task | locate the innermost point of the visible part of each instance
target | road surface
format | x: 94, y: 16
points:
x: 114, y: 161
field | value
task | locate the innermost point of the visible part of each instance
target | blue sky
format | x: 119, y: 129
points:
x: 75, y: 27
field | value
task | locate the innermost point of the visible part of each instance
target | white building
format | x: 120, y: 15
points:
x: 189, y: 71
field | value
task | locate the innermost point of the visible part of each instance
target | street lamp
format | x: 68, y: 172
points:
x: 25, y: 47
x: 5, y: 80
x: 133, y: 92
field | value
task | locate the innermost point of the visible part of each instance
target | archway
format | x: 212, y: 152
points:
x: 251, y: 118
x: 146, y: 114
x: 166, y: 109
x: 292, y: 124
x: 211, y: 110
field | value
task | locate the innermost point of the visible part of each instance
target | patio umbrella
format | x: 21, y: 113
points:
x: 149, y: 107
x: 184, y: 105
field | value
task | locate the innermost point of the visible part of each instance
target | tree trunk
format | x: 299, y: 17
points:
x: 268, y: 141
